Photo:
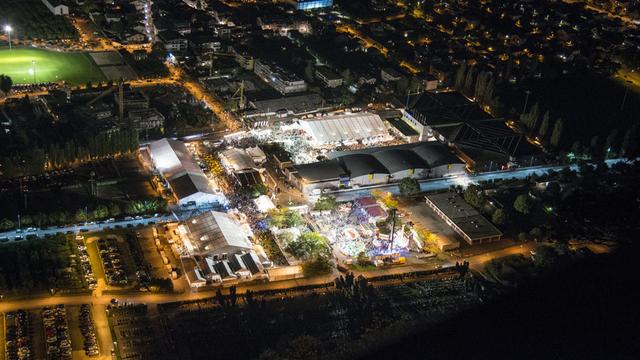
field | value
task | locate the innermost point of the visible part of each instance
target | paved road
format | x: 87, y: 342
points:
x: 476, y: 262
x: 85, y: 228
x: 464, y: 180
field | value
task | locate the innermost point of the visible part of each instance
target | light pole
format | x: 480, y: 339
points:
x: 8, y: 29
x: 526, y: 100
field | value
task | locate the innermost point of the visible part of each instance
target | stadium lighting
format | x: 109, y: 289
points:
x: 8, y: 29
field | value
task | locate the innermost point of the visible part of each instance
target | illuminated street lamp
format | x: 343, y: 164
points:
x: 8, y: 29
x: 33, y: 62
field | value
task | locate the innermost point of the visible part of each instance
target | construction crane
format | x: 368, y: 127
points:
x: 239, y: 97
x: 120, y: 87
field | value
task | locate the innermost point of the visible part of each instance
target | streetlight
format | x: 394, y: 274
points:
x: 526, y: 100
x: 8, y: 29
x: 33, y: 62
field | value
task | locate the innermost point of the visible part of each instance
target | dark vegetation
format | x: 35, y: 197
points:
x: 586, y: 311
x: 36, y: 141
x: 38, y: 265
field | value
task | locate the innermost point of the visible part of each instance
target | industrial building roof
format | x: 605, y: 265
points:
x: 467, y: 218
x: 395, y: 160
x: 174, y: 162
x: 345, y: 127
x: 489, y: 135
x: 445, y: 108
x: 362, y: 164
x: 189, y: 184
x: 320, y: 171
x: 435, y: 154
x: 380, y: 160
x: 215, y: 231
x: 172, y: 158
x: 238, y: 159
x: 423, y: 155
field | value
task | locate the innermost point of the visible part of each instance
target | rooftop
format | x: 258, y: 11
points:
x: 445, y: 108
x: 466, y: 218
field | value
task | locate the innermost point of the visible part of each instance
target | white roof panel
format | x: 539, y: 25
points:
x: 340, y: 128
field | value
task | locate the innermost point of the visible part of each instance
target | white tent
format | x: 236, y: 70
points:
x: 187, y: 181
x: 345, y: 128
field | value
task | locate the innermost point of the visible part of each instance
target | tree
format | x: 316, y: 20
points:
x: 611, y: 142
x: 460, y: 76
x: 474, y: 196
x: 346, y: 76
x: 5, y: 84
x: 556, y: 135
x: 309, y: 72
x: 629, y: 145
x: 40, y: 219
x: 282, y: 218
x: 530, y: 118
x: 80, y: 215
x: 308, y: 245
x: 469, y: 80
x: 363, y: 259
x: 576, y: 148
x: 409, y: 187
x: 114, y: 210
x: 523, y: 236
x: 26, y: 220
x: 536, y: 233
x: 100, y: 212
x: 319, y: 265
x: 325, y: 202
x: 499, y: 217
x: 522, y: 204
x: 544, y: 126
x: 7, y: 224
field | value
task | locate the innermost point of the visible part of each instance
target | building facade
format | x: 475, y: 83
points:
x: 279, y: 79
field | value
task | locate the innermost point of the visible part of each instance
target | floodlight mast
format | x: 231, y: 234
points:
x: 8, y: 29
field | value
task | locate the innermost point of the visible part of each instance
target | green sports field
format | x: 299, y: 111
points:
x: 26, y: 66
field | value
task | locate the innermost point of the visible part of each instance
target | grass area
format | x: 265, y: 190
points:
x: 50, y: 66
x: 31, y: 19
x: 589, y: 104
x: 362, y: 268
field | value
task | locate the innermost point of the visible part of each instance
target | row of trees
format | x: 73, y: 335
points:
x: 37, y: 160
x: 480, y: 86
x: 627, y: 145
x: 540, y: 126
x: 99, y: 212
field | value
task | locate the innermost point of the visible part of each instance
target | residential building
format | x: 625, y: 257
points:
x: 173, y: 41
x: 56, y: 7
x: 328, y: 77
x: 281, y: 80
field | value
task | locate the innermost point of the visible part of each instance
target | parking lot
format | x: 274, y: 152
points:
x: 114, y: 265
x: 134, y: 336
x: 52, y: 332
